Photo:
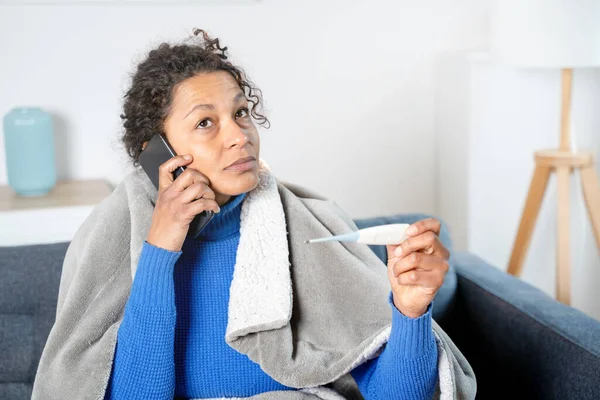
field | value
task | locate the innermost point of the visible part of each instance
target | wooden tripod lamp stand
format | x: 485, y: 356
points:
x: 561, y: 34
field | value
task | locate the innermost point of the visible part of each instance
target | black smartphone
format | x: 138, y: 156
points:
x: 158, y: 151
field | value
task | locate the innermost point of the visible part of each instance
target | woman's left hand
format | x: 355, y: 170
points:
x: 417, y: 267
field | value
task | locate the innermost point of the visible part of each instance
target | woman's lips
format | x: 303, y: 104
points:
x: 248, y: 165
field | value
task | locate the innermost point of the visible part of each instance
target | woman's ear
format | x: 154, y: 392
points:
x: 144, y: 145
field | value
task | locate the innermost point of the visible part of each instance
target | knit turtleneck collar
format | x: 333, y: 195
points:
x: 226, y: 222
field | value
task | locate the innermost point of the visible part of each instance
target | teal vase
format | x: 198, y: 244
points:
x: 29, y: 147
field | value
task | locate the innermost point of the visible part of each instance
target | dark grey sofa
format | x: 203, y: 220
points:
x: 521, y: 343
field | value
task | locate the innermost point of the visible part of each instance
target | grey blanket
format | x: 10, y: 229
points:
x: 307, y: 314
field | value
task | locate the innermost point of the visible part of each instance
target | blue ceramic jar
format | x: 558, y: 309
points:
x: 29, y: 148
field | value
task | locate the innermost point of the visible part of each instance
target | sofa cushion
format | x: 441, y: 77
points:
x: 445, y: 295
x: 514, y: 333
x: 16, y: 391
x: 16, y: 346
x: 28, y: 294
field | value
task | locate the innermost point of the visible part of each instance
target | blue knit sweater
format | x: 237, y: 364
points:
x: 171, y: 342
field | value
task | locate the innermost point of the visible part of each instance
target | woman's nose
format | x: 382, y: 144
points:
x: 235, y: 136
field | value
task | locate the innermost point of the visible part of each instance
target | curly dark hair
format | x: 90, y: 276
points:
x: 148, y: 100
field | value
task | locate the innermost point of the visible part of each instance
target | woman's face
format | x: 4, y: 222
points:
x: 210, y: 120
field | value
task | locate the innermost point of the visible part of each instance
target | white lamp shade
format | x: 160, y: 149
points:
x: 546, y: 33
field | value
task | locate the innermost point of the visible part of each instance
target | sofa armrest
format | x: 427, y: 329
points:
x: 520, y: 341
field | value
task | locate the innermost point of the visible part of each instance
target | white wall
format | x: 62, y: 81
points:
x: 348, y: 85
x: 372, y: 103
x: 513, y: 113
x: 451, y: 125
x: 489, y: 121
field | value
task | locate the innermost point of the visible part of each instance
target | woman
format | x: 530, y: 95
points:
x: 245, y: 308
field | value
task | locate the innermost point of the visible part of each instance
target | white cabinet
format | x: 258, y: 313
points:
x: 51, y: 218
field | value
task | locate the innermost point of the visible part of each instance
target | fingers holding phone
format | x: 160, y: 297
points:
x: 179, y: 200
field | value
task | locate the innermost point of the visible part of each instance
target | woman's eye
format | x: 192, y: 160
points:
x: 205, y: 123
x: 242, y: 113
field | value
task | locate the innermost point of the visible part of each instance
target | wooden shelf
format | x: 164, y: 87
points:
x: 53, y: 217
x: 64, y: 194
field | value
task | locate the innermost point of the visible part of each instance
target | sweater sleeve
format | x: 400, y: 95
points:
x: 143, y: 365
x: 407, y: 367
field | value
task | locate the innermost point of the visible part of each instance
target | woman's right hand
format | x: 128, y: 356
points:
x: 179, y: 201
